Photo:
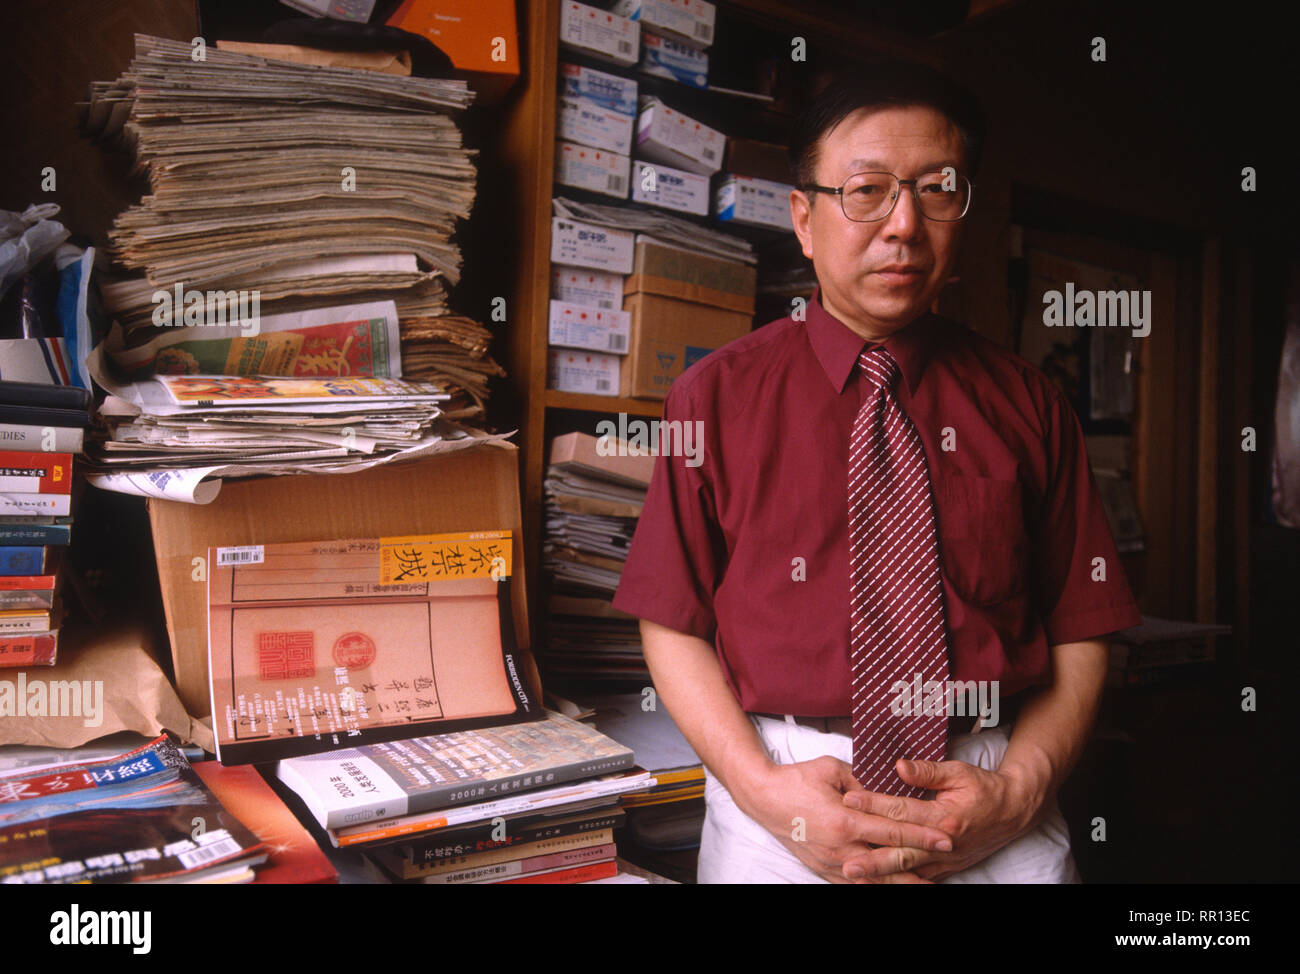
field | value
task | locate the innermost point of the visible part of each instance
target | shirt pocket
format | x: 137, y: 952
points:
x: 982, y: 538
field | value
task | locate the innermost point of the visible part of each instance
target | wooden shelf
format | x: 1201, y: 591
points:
x: 603, y: 404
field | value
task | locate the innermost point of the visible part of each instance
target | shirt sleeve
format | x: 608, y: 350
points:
x: 1082, y: 590
x: 675, y: 560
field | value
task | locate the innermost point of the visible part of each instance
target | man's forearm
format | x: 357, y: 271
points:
x: 1052, y: 728
x: 689, y: 681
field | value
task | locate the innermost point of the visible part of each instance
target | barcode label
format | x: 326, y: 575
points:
x: 602, y: 385
x: 703, y: 31
x: 210, y: 853
x: 615, y: 184
x: 624, y: 47
x: 607, y: 304
x: 709, y: 154
x: 250, y: 554
x: 617, y: 343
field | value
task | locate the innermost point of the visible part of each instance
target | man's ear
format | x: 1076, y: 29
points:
x: 801, y: 217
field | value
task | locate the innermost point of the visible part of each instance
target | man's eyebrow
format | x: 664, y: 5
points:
x: 875, y: 165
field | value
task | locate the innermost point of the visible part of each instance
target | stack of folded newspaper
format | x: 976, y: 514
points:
x: 290, y: 199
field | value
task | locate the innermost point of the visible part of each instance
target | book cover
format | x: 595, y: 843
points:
x: 17, y: 503
x: 398, y: 778
x: 518, y: 830
x: 567, y: 874
x: 29, y: 649
x: 40, y: 416
x: 515, y: 868
x: 22, y: 559
x: 315, y: 646
x: 23, y: 620
x: 22, y: 531
x: 52, y: 437
x: 294, y: 856
x: 401, y: 868
x: 143, y: 816
x: 44, y: 395
x: 35, y: 473
x: 422, y: 823
x: 26, y: 599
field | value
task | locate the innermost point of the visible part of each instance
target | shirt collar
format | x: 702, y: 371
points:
x: 837, y: 346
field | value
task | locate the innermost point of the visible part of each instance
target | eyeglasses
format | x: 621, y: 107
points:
x: 866, y: 197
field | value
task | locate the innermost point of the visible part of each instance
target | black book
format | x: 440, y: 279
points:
x: 38, y: 394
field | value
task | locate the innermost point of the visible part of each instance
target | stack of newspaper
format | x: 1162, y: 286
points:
x: 593, y: 500
x: 279, y: 189
x: 176, y: 436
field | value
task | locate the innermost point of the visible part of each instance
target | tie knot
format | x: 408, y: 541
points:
x: 880, y: 367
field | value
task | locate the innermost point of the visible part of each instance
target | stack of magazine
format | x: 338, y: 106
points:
x: 535, y: 802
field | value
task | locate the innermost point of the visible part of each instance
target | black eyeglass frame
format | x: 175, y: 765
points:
x: 833, y: 191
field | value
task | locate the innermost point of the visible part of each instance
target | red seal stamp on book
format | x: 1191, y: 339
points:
x: 355, y: 650
x: 286, y: 655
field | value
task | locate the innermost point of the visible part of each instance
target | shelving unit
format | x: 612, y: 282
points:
x: 524, y: 150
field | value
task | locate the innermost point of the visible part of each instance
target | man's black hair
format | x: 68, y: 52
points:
x: 881, y: 84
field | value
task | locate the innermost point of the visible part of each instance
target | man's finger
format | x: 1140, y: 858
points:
x: 896, y: 807
x: 877, y: 830
x: 933, y: 775
x: 886, y: 861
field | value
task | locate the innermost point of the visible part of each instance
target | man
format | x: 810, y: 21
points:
x: 885, y: 498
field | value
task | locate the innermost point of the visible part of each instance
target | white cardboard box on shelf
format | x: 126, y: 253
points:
x: 578, y: 244
x: 667, y: 136
x: 602, y: 34
x: 596, y: 170
x: 756, y: 202
x: 596, y: 329
x: 664, y: 57
x: 587, y: 123
x: 582, y: 285
x: 673, y: 189
x: 688, y: 21
x: 569, y: 370
x: 607, y: 90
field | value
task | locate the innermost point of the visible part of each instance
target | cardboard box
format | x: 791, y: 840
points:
x: 761, y: 160
x: 666, y: 58
x: 688, y: 21
x: 595, y: 289
x: 578, y: 326
x: 586, y: 123
x: 753, y: 202
x: 595, y: 170
x: 478, y: 36
x: 588, y: 245
x: 660, y: 268
x: 663, y: 135
x: 476, y: 489
x: 599, y: 87
x: 674, y: 189
x: 669, y: 336
x: 590, y: 372
x: 603, y: 35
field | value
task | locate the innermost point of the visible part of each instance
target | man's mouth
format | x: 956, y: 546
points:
x: 899, y: 273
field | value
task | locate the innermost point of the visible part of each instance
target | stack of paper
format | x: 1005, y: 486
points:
x: 314, y: 189
x: 175, y: 436
x: 683, y: 233
x: 592, y: 505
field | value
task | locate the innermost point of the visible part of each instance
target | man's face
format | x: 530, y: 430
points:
x: 878, y: 277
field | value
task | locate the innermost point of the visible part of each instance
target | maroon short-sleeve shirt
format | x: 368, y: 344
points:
x: 745, y: 544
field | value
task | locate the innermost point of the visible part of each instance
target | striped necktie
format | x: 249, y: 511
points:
x: 896, y: 619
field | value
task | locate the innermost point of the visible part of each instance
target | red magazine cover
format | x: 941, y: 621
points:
x: 294, y: 855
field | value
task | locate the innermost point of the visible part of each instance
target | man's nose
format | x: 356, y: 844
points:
x: 904, y: 221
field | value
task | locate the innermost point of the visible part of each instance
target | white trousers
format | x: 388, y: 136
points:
x: 736, y: 849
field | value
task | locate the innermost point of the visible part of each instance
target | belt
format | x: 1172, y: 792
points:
x: 844, y: 725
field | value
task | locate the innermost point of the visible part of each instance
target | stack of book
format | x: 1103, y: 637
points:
x: 594, y: 497
x: 142, y: 816
x: 41, y: 428
x: 304, y: 188
x: 534, y: 802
